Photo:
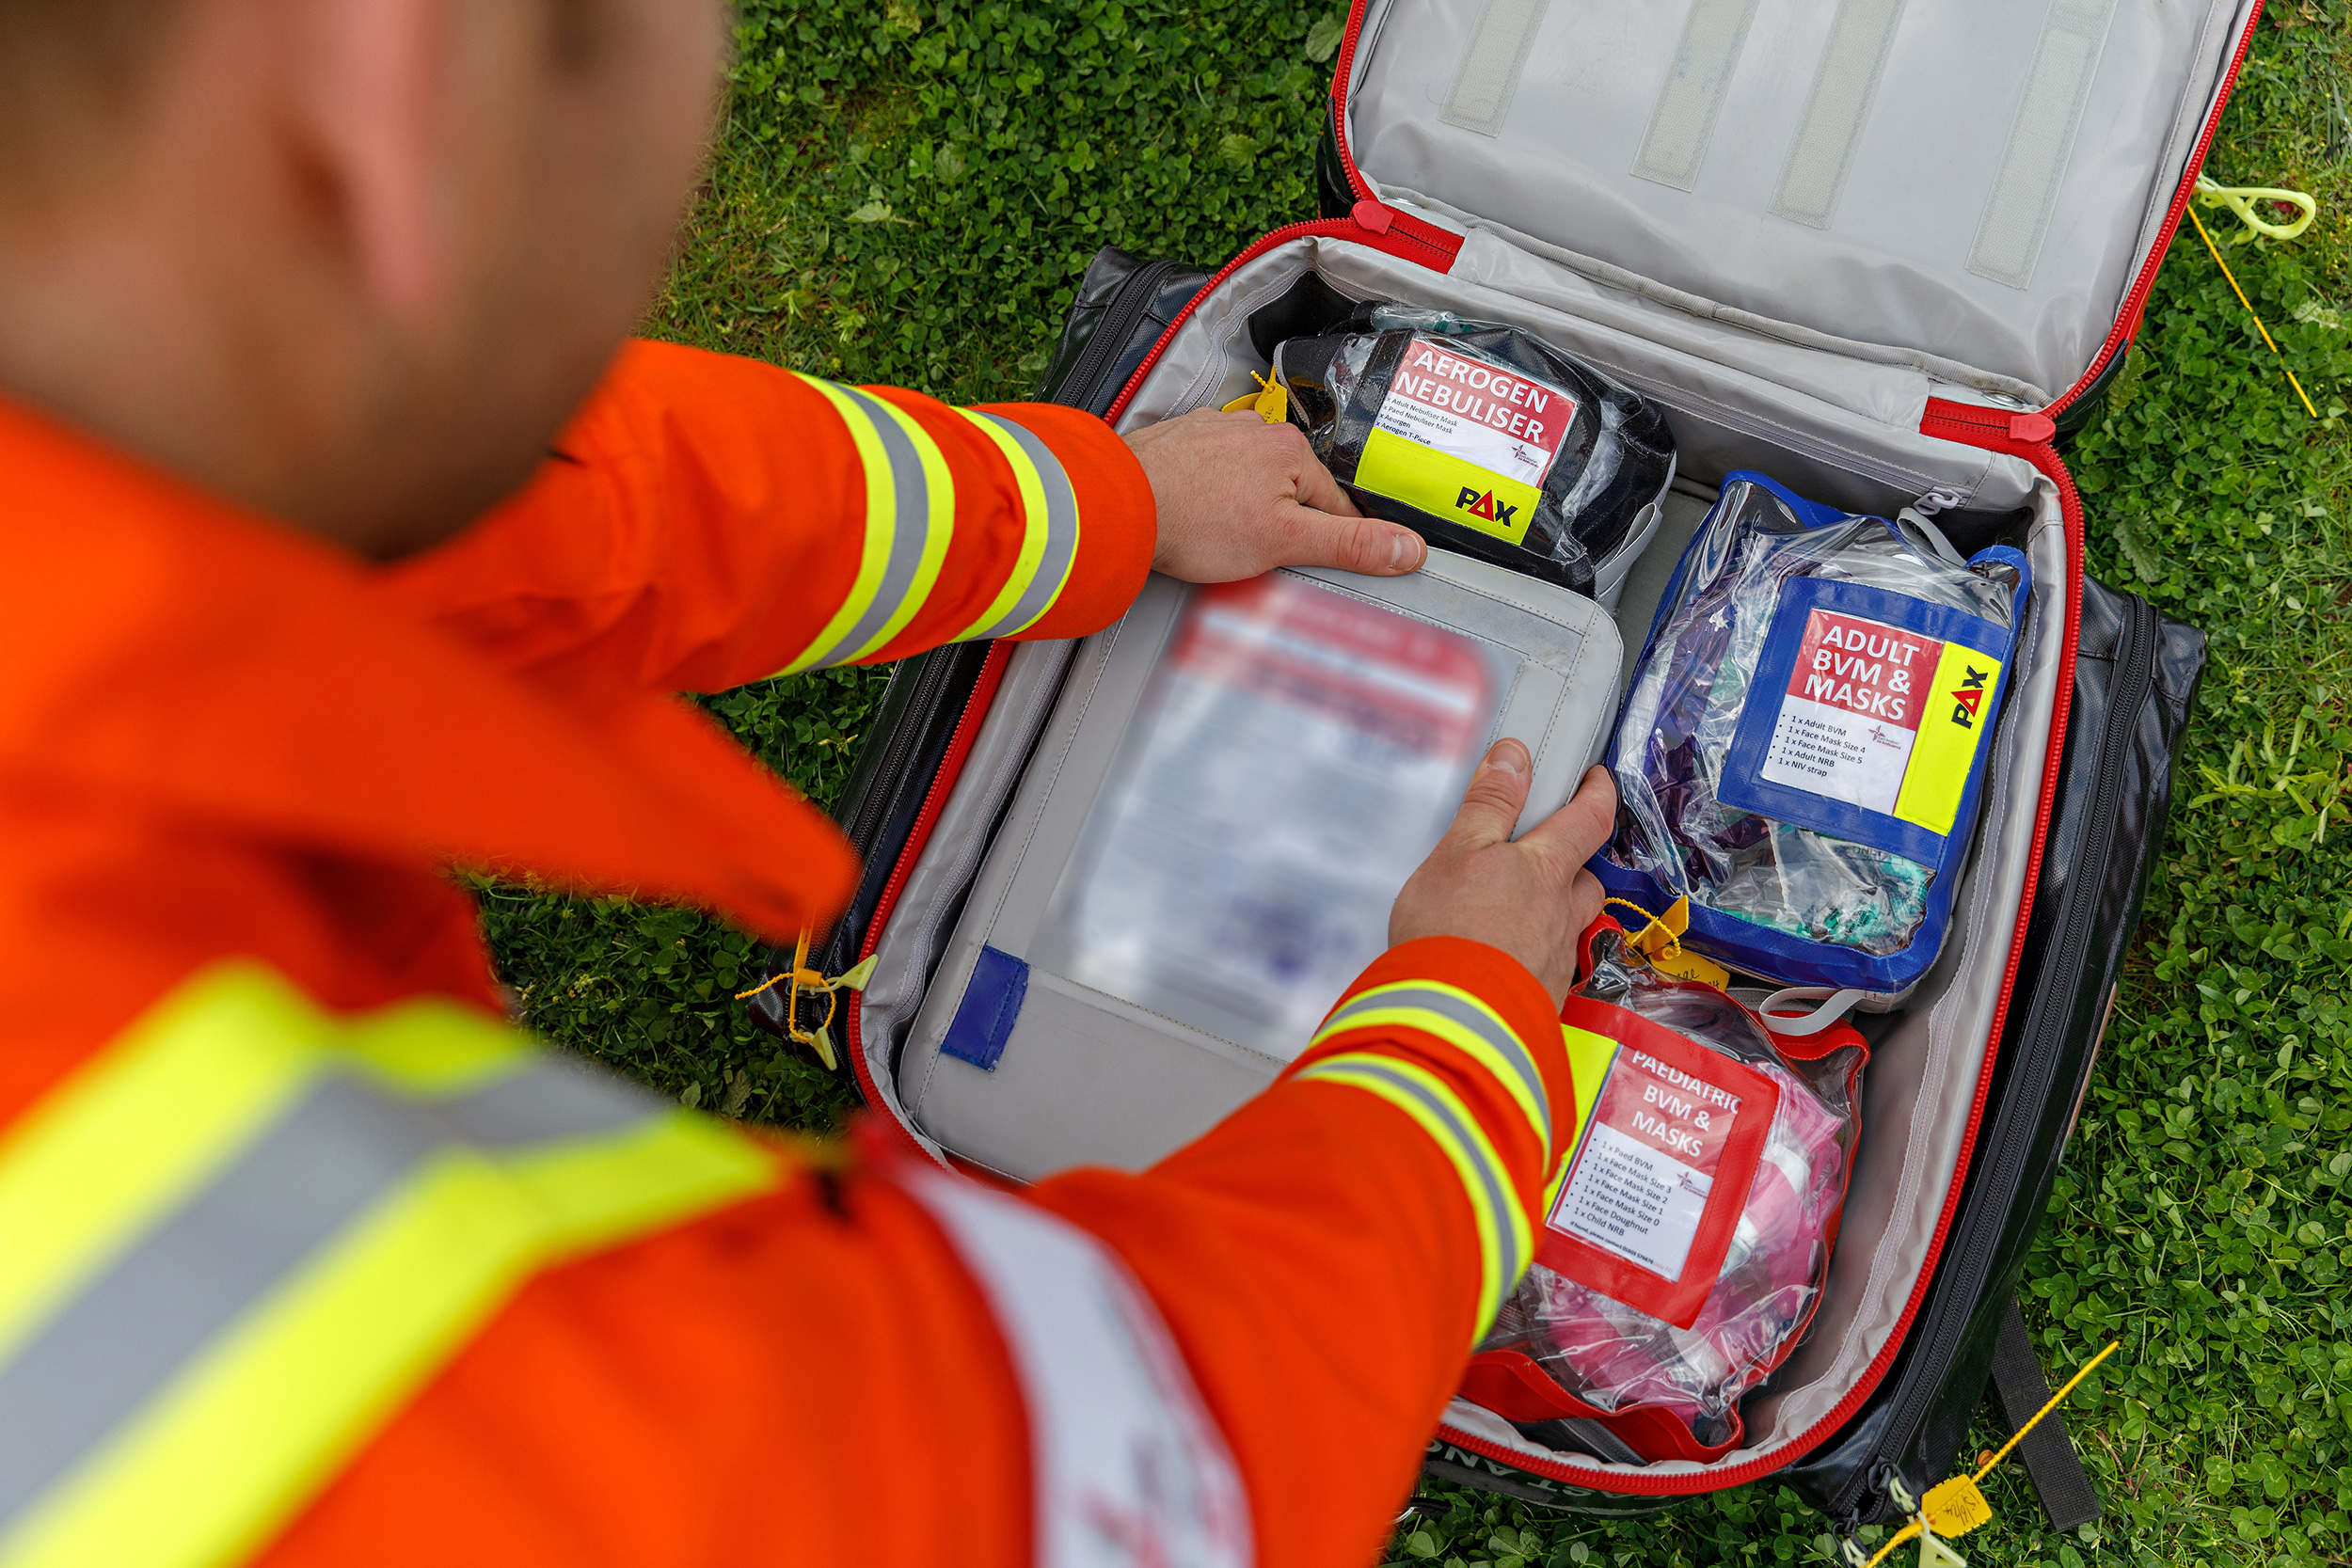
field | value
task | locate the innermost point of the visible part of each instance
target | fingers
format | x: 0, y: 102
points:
x: 1496, y: 796
x: 1315, y: 485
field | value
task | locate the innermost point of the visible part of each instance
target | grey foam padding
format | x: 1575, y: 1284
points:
x: 1085, y: 1077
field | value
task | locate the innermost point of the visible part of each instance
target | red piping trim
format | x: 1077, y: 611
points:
x: 2127, y: 320
x: 975, y: 708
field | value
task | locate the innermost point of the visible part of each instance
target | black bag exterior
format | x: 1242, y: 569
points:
x: 1123, y: 307
x: 2136, y: 677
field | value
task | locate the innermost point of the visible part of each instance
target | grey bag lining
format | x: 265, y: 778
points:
x: 1837, y: 110
x: 1683, y: 119
x: 2041, y: 141
x: 1891, y: 267
x: 1489, y: 72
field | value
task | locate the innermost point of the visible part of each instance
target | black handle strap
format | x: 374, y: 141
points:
x: 2048, y: 1452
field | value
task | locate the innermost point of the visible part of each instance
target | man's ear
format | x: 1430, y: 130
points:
x: 377, y: 95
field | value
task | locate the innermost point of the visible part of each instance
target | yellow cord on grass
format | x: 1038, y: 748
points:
x: 1963, y: 1489
x: 2252, y: 311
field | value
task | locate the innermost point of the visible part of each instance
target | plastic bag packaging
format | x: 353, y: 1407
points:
x: 1803, y: 745
x: 1296, y: 755
x: 1480, y: 436
x: 1672, y: 1391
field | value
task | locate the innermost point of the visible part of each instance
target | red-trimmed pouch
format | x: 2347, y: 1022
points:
x: 1687, y: 1235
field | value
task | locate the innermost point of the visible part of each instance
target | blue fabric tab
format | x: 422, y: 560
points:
x: 990, y: 1007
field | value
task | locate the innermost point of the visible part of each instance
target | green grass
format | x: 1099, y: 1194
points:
x: 906, y: 192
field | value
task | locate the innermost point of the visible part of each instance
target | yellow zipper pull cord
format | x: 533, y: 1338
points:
x: 1957, y: 1505
x: 801, y: 978
x: 2241, y: 198
x: 2252, y: 311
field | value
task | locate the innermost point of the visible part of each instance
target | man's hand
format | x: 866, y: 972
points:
x: 1532, y: 898
x: 1239, y: 496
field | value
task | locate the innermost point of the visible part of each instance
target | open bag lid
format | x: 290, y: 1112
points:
x: 1966, y: 186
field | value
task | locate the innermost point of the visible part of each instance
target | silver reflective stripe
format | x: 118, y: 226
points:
x: 1683, y: 120
x: 910, y: 528
x: 2041, y: 141
x: 1061, y: 529
x: 1844, y: 87
x: 1127, y: 1468
x: 337, y: 1153
x: 1500, y: 1202
x: 1475, y: 1018
x: 1489, y: 72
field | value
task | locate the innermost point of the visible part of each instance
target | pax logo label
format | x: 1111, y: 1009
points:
x: 1969, y: 697
x: 1483, y: 504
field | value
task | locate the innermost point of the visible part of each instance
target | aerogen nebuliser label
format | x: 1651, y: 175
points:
x: 1465, y: 439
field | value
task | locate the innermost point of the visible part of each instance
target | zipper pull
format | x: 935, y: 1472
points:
x: 2035, y: 430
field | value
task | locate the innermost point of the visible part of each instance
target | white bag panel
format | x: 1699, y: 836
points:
x: 1914, y: 183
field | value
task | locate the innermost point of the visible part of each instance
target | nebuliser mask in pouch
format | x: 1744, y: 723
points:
x: 1802, y: 743
x: 1480, y: 436
x: 1684, y: 1247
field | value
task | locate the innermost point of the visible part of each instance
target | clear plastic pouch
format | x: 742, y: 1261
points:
x: 1670, y: 1388
x: 1298, y: 753
x: 1482, y: 437
x: 1802, y: 747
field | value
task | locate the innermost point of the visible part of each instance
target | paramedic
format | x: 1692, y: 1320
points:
x: 305, y: 1256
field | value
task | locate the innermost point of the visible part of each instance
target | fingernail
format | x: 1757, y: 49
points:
x: 1509, y: 756
x: 1406, y: 550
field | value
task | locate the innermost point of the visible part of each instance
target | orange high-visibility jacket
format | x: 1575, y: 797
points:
x: 308, y: 1257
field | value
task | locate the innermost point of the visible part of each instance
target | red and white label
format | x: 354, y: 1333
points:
x: 1851, y: 714
x: 1497, y: 418
x: 1648, y: 1163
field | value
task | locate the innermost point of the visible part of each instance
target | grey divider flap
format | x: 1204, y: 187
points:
x: 1973, y: 180
x: 1024, y: 1069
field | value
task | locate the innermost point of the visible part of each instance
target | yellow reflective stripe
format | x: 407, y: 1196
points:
x: 1048, y: 507
x: 198, y: 1075
x: 1404, y: 1004
x: 910, y: 515
x: 1505, y: 1235
x: 518, y: 1160
x: 276, y: 1406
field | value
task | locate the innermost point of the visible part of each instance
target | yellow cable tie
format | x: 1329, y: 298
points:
x: 2252, y: 311
x: 1673, y: 942
x: 2241, y: 198
x: 2017, y: 1438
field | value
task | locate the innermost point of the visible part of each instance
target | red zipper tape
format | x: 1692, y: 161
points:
x: 976, y: 706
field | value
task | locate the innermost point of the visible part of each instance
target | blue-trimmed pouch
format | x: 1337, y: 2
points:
x: 1804, y: 739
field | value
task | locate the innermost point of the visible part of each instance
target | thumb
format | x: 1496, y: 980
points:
x: 1497, y: 794
x: 1575, y: 833
x: 1362, y: 544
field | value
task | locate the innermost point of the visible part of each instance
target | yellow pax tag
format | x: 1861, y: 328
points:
x: 1270, y: 403
x: 1955, y: 1506
x: 1660, y: 942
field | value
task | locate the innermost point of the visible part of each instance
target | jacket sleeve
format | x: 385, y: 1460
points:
x: 1327, y: 1257
x: 705, y: 521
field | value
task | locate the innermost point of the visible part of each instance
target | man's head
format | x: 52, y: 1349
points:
x: 350, y: 261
